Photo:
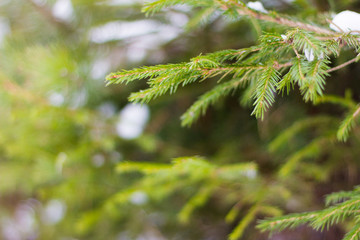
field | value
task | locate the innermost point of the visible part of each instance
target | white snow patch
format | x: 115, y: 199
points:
x: 140, y: 36
x: 251, y: 173
x: 257, y: 6
x: 138, y: 48
x: 132, y: 120
x: 25, y: 218
x: 177, y: 19
x: 119, y: 30
x: 54, y: 212
x: 63, y: 10
x: 4, y: 2
x: 123, y: 2
x: 347, y: 21
x: 56, y: 99
x: 139, y: 198
x: 100, y: 68
x: 309, y: 54
x: 135, y: 54
x: 4, y: 28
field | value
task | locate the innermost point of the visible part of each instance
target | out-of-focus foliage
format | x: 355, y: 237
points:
x: 78, y: 162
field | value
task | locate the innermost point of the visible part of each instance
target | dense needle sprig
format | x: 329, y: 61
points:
x: 299, y: 55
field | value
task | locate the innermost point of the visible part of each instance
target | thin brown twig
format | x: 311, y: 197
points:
x: 331, y: 22
x: 356, y: 113
x: 342, y: 65
x: 296, y: 52
x: 279, y: 20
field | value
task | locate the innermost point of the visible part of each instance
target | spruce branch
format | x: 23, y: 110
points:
x: 311, y: 150
x: 344, y: 102
x: 211, y: 97
x: 348, y: 123
x: 310, y: 76
x: 336, y: 214
x: 240, y: 228
x: 289, y: 221
x: 198, y: 200
x: 291, y: 132
x: 265, y: 91
x: 323, y: 218
x: 354, y: 233
x: 337, y: 197
x: 251, y: 68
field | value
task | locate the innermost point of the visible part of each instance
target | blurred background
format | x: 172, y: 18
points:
x: 63, y: 131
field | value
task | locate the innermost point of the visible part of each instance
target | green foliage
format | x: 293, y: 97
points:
x: 247, y: 67
x: 323, y: 218
x: 348, y: 123
x: 60, y: 141
x: 300, y: 58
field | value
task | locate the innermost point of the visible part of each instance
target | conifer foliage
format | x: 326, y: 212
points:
x: 290, y: 54
x: 298, y: 56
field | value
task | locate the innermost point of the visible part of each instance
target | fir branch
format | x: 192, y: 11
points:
x: 348, y: 123
x: 313, y: 85
x: 336, y: 214
x: 344, y: 102
x: 232, y: 214
x: 156, y: 6
x: 237, y: 171
x: 126, y: 76
x: 303, y: 40
x: 270, y: 210
x: 351, y: 40
x: 341, y: 196
x: 311, y: 150
x: 294, y: 75
x: 236, y: 55
x: 265, y: 91
x: 285, y: 137
x: 320, y: 219
x: 169, y: 82
x: 198, y: 200
x: 146, y: 168
x: 288, y: 221
x: 167, y: 78
x: 200, y: 17
x: 240, y: 228
x: 354, y: 233
x: 332, y: 46
x: 209, y: 98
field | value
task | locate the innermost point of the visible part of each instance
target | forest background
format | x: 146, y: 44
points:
x: 78, y: 161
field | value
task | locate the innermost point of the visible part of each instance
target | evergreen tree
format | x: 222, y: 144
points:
x: 292, y: 53
x: 268, y: 119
